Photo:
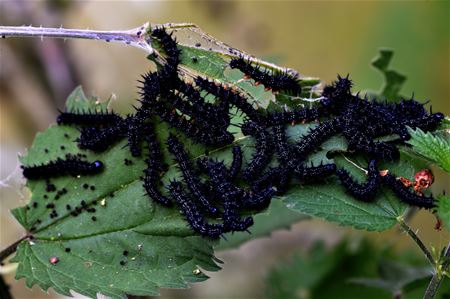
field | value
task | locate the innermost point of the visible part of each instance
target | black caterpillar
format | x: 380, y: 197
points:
x: 316, y: 137
x: 289, y: 160
x: 276, y: 81
x: 300, y: 115
x: 71, y: 165
x: 236, y: 165
x: 230, y: 96
x: 88, y: 119
x: 263, y: 152
x: 363, y: 192
x: 193, y: 215
x: 153, y: 172
x: 191, y: 180
x: 406, y: 195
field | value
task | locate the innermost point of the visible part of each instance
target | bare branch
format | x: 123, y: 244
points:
x: 137, y: 37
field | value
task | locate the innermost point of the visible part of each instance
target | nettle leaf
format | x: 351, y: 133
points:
x: 77, y: 101
x: 393, y: 80
x: 434, y: 147
x: 275, y: 218
x: 161, y: 250
x: 443, y: 209
x: 330, y: 201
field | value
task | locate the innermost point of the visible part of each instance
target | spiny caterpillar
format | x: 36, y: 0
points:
x: 275, y: 81
x: 71, y: 165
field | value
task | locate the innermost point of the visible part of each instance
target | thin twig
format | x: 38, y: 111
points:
x: 436, y: 280
x: 416, y: 239
x: 12, y: 248
x: 137, y: 37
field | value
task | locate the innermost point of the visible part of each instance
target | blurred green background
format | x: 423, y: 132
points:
x: 317, y: 38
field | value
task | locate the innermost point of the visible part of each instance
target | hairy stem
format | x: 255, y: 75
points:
x: 12, y: 248
x: 436, y: 280
x: 416, y: 239
x: 137, y: 37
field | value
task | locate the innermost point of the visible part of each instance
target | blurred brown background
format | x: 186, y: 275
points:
x: 317, y: 38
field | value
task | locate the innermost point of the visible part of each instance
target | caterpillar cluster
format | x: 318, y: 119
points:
x: 216, y: 195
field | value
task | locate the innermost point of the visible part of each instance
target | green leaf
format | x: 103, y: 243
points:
x: 303, y: 272
x: 77, y: 101
x: 435, y: 148
x: 393, y: 81
x: 323, y: 273
x: 443, y: 209
x: 276, y: 217
x: 330, y: 201
x: 394, y: 276
x: 162, y: 250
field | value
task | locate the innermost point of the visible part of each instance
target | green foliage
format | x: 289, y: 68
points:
x: 302, y: 273
x: 393, y: 81
x: 162, y: 250
x: 323, y: 273
x: 434, y: 147
x: 330, y: 273
x: 443, y: 209
x: 394, y: 276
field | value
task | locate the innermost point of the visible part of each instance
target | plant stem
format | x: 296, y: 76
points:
x: 137, y: 37
x: 416, y: 239
x: 436, y: 280
x: 12, y: 248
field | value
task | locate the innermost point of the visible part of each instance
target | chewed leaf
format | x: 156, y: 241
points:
x: 78, y: 102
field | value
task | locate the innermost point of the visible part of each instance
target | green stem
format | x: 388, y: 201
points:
x: 416, y: 239
x: 436, y: 280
